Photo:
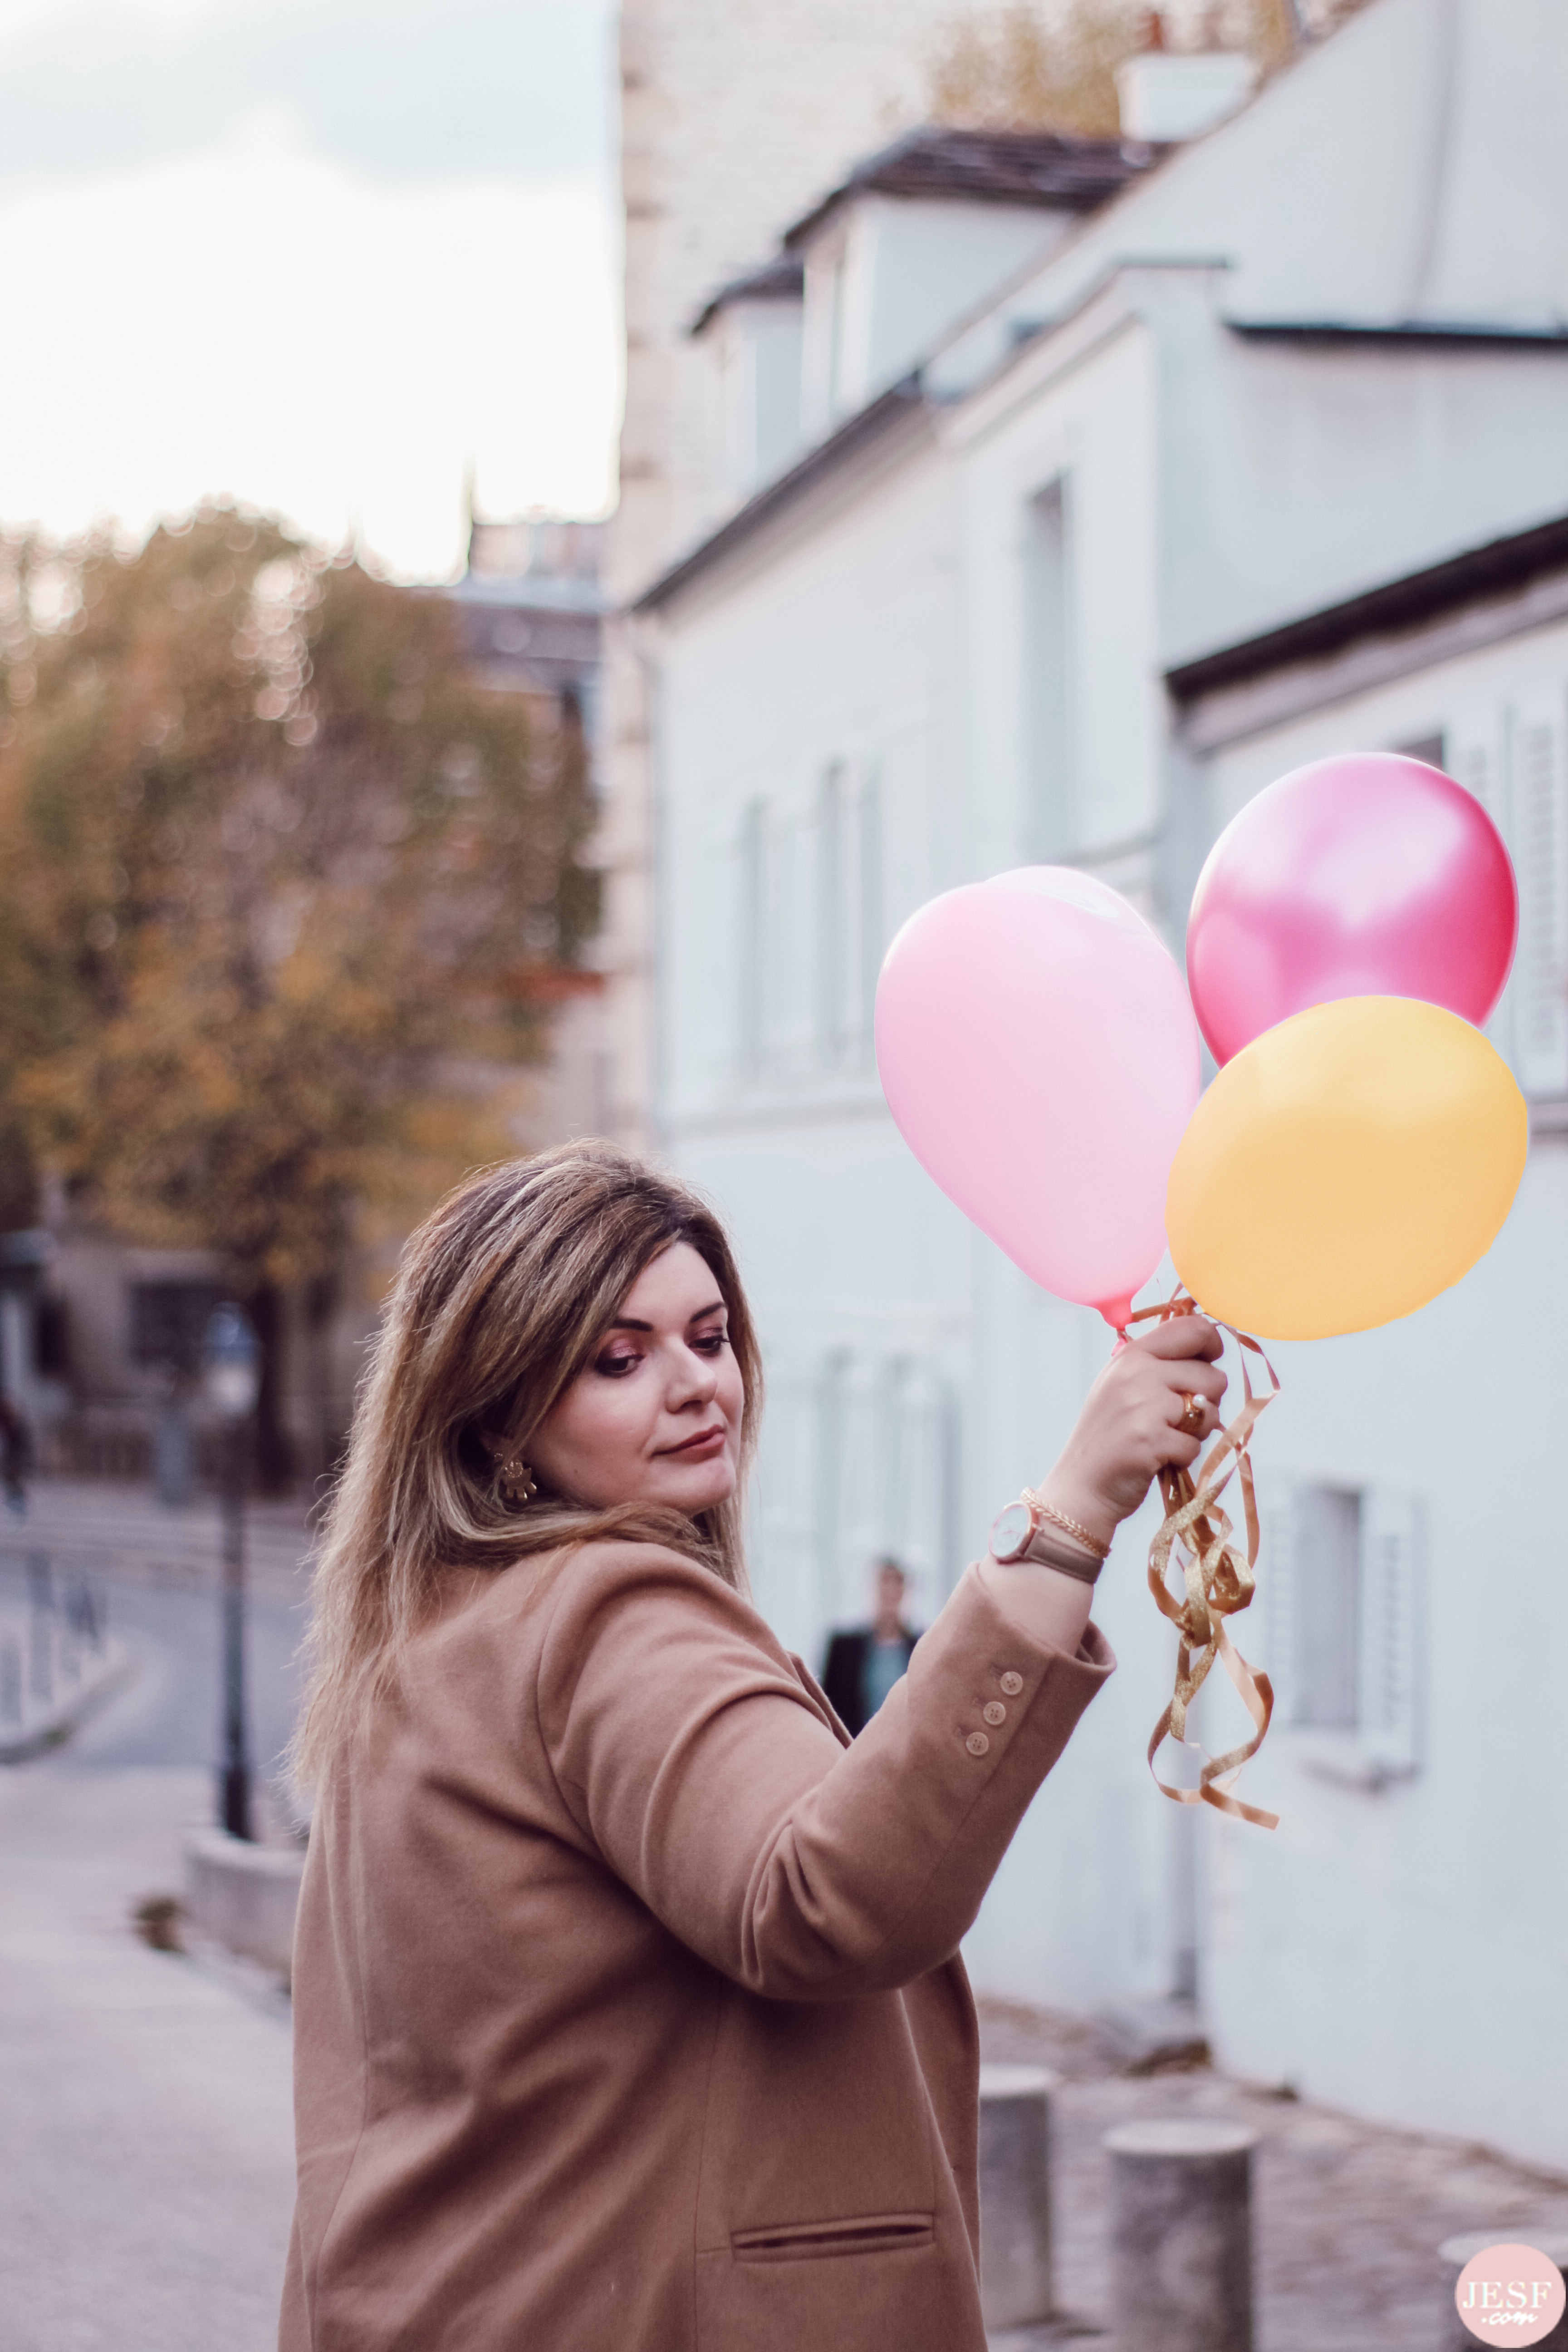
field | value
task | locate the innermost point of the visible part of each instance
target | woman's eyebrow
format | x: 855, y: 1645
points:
x: 630, y: 1322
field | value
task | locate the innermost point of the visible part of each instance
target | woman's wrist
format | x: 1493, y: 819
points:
x: 1081, y: 1506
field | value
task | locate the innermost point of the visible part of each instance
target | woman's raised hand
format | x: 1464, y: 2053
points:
x: 1132, y: 1422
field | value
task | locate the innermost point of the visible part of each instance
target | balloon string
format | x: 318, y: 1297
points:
x: 1219, y: 1582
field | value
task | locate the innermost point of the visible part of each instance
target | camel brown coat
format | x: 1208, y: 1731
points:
x: 629, y: 2011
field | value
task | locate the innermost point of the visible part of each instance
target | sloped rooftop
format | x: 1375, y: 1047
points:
x: 1001, y: 167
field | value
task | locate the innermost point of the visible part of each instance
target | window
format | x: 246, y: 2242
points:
x: 169, y: 1321
x: 1048, y: 826
x: 885, y: 1477
x: 850, y: 923
x: 1338, y: 1632
x: 1326, y: 1608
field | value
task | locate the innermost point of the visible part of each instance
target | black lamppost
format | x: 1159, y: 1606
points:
x: 231, y: 1371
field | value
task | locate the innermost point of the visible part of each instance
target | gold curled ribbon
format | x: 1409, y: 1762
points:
x: 1219, y: 1580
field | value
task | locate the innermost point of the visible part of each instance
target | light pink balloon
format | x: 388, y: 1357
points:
x: 1366, y: 876
x: 1039, y: 1052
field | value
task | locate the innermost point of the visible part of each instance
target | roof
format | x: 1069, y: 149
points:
x: 780, y: 281
x: 1500, y: 565
x: 868, y: 425
x: 995, y: 167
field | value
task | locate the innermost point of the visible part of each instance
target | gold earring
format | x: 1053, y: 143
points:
x: 515, y: 1481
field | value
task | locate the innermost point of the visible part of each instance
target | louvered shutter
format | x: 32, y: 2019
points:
x: 922, y: 1507
x: 1474, y: 758
x: 1274, y: 1604
x: 1387, y: 1725
x: 1541, y: 853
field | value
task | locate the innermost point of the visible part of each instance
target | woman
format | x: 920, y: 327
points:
x: 628, y: 2009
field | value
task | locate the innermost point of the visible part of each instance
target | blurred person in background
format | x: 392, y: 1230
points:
x: 628, y: 2009
x: 864, y: 1661
x: 16, y: 1457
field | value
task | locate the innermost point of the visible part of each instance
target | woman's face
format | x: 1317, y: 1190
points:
x: 656, y: 1416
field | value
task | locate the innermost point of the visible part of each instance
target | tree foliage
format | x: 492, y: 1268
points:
x: 279, y: 877
x: 1050, y: 65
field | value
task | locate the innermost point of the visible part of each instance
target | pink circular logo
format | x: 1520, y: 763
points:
x: 1510, y: 2295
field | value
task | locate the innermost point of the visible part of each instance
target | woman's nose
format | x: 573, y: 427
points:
x: 695, y: 1380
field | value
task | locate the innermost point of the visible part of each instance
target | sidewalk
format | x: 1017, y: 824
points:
x: 1347, y: 2216
x: 146, y: 2161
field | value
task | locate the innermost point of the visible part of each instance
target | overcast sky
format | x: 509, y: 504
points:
x: 318, y: 254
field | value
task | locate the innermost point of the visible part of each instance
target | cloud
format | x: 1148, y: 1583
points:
x: 395, y: 90
x: 334, y: 348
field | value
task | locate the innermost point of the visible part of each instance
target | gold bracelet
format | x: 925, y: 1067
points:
x: 1059, y: 1518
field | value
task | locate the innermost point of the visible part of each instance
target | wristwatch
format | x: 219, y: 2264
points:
x: 1028, y: 1531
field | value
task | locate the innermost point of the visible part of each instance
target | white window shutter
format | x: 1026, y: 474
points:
x: 1539, y: 788
x: 869, y: 941
x: 1274, y: 1602
x: 751, y: 945
x: 1475, y: 761
x: 862, y: 1481
x: 1390, y: 1532
x: 921, y: 1502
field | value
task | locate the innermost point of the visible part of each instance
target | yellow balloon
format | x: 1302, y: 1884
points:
x: 1345, y: 1168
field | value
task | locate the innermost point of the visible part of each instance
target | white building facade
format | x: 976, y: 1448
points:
x: 1103, y: 564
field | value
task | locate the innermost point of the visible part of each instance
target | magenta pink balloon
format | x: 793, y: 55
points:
x: 1039, y: 1052
x: 1367, y: 876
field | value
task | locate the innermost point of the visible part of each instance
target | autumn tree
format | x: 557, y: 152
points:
x: 279, y: 885
x: 1050, y: 65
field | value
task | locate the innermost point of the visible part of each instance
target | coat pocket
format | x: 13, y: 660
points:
x: 867, y: 2233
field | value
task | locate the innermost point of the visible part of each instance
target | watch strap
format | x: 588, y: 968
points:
x: 1046, y: 1548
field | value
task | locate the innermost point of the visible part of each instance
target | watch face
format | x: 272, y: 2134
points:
x: 1012, y: 1532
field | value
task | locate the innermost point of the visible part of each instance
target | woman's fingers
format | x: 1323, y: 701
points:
x: 1205, y: 1415
x: 1205, y: 1381
x: 1184, y: 1335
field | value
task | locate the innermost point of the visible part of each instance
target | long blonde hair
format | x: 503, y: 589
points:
x: 500, y: 1299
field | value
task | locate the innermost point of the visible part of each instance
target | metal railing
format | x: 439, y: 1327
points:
x: 54, y: 1638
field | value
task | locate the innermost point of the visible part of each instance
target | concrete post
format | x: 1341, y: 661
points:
x: 1016, y: 2195
x: 40, y: 1628
x: 1455, y: 2253
x: 1182, y: 2235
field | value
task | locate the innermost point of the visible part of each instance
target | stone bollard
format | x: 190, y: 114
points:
x: 1016, y: 2195
x: 1455, y: 2253
x: 244, y: 1897
x: 1182, y: 2235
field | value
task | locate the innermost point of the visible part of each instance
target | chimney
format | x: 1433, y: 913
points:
x: 1167, y: 95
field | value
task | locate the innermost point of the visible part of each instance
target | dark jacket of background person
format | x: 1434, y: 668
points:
x: 844, y: 1675
x: 16, y: 1449
x: 627, y: 2006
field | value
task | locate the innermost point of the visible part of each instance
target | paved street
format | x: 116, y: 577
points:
x: 146, y: 2162
x: 146, y: 2159
x: 1347, y: 2216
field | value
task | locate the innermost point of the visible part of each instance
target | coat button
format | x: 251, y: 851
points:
x: 1012, y: 1684
x: 977, y: 1744
x: 993, y: 1711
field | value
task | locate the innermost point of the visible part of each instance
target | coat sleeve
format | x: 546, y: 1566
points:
x: 710, y: 1782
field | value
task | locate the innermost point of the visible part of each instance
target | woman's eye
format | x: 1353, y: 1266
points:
x: 708, y: 1343
x: 615, y: 1366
